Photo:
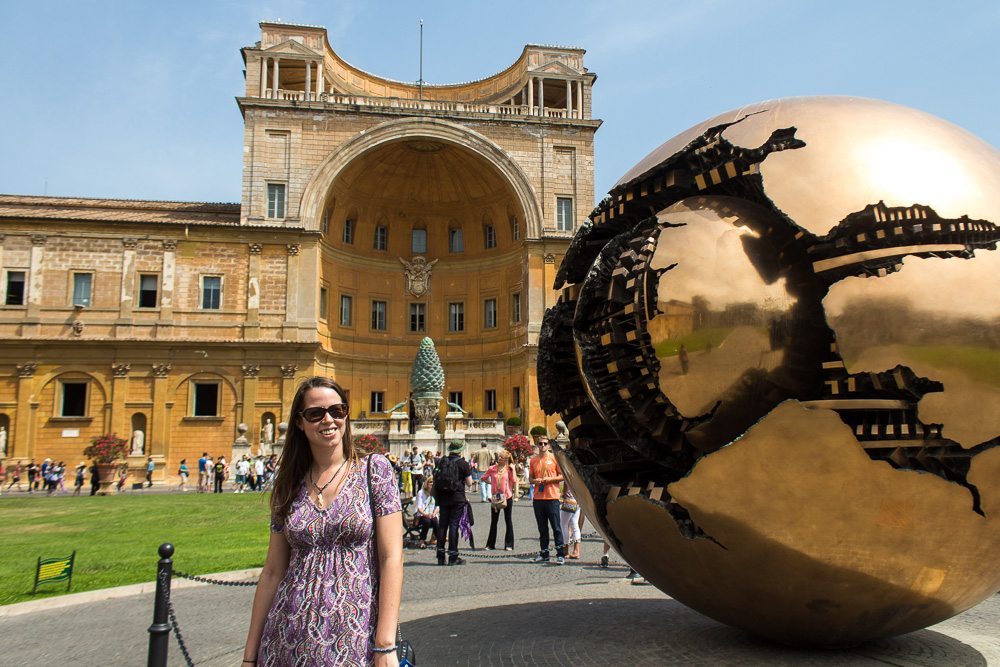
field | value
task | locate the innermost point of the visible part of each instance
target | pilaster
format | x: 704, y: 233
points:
x: 119, y: 389
x: 159, y: 422
x: 21, y: 445
x: 251, y: 326
x: 246, y: 413
x: 123, y: 326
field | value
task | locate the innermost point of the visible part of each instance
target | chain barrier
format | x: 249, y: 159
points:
x: 216, y: 582
x: 177, y: 633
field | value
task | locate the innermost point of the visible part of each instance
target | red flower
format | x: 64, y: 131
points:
x: 107, y: 448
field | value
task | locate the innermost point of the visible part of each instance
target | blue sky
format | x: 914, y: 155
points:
x: 135, y: 99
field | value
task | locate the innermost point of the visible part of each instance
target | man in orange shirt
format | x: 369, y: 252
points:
x: 545, y: 475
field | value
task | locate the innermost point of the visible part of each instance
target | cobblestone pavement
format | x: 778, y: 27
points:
x: 576, y: 614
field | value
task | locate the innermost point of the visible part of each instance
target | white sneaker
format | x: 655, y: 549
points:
x: 540, y: 559
x: 560, y: 560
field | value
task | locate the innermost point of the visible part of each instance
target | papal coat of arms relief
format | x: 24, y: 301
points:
x: 418, y: 275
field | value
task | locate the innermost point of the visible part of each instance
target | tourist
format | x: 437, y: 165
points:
x: 545, y: 477
x: 15, y: 476
x: 81, y: 473
x: 417, y: 469
x: 242, y: 468
x: 429, y: 464
x: 95, y: 478
x: 203, y: 473
x: 425, y: 516
x: 405, y: 466
x: 330, y: 588
x: 451, y: 479
x: 258, y: 469
x: 150, y: 467
x: 569, y: 514
x: 502, y: 479
x: 182, y: 472
x: 483, y: 459
x: 61, y: 477
x: 32, y: 476
x: 221, y: 471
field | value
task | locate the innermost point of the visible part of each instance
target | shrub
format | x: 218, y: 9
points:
x: 513, y: 421
x: 107, y: 448
x: 539, y: 430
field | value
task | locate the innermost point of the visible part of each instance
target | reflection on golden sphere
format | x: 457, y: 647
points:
x: 777, y: 352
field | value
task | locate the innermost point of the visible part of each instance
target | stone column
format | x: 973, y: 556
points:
x: 531, y: 95
x: 541, y: 97
x: 569, y: 99
x: 20, y: 441
x: 247, y: 413
x: 309, y: 73
x: 320, y: 79
x: 579, y: 99
x: 251, y: 326
x: 291, y: 322
x: 169, y: 275
x: 123, y: 327
x: 158, y: 427
x: 263, y: 76
x: 119, y: 388
x: 274, y: 86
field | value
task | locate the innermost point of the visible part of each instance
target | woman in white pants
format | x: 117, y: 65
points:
x: 569, y: 514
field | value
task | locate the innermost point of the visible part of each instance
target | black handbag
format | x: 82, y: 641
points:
x: 404, y: 649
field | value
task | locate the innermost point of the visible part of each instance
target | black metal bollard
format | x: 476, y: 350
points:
x: 159, y: 631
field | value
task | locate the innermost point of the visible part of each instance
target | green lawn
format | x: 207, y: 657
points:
x: 695, y: 342
x: 116, y: 537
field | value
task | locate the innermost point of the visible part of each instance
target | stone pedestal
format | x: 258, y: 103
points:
x: 241, y: 445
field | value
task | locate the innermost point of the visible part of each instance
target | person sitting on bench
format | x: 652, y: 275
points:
x: 426, y: 514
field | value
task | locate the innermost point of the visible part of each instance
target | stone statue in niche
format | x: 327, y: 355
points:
x: 3, y: 442
x: 418, y: 275
x: 138, y: 442
x: 267, y: 431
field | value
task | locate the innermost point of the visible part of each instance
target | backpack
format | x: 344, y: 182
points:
x: 448, y: 476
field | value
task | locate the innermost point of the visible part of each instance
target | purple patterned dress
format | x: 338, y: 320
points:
x: 324, y: 611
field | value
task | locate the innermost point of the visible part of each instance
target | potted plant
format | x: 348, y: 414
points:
x: 513, y: 425
x: 519, y: 446
x: 107, y: 452
x: 368, y: 444
x: 537, y: 431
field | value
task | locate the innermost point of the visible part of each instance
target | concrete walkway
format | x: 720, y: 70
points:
x: 576, y: 614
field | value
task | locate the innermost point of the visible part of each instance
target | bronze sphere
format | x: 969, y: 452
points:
x: 777, y: 349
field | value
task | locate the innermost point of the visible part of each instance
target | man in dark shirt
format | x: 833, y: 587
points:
x: 452, y: 476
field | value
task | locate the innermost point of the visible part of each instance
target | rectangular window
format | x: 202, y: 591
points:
x: 564, y: 214
x: 15, y: 288
x: 82, y: 284
x: 346, y: 310
x: 455, y: 243
x: 349, y: 231
x: 275, y: 200
x: 378, y: 315
x: 206, y: 399
x: 517, y: 398
x: 211, y: 292
x: 490, y: 314
x: 515, y: 229
x: 455, y: 398
x: 149, y: 286
x: 377, y: 403
x: 323, y: 297
x: 418, y: 317
x: 490, y: 236
x: 491, y: 400
x: 381, y: 237
x: 74, y: 399
x: 456, y: 317
x: 515, y: 307
x: 419, y: 241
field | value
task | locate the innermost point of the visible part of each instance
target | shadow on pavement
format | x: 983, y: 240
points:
x: 642, y: 632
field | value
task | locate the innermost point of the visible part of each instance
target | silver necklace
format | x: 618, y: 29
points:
x: 320, y: 489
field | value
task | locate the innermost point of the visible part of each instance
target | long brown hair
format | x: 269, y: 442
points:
x: 296, y: 456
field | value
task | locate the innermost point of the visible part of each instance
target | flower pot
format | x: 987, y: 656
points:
x: 108, y: 477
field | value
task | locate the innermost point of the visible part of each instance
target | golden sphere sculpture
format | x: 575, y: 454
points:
x: 777, y: 349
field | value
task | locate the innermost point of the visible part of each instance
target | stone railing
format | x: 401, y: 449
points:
x: 510, y: 110
x: 377, y: 427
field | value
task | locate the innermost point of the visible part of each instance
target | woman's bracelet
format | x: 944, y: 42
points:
x: 252, y: 662
x: 385, y: 649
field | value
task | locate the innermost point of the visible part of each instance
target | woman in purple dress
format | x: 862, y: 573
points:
x: 329, y: 593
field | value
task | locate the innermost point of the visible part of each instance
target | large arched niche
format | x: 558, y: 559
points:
x: 320, y: 190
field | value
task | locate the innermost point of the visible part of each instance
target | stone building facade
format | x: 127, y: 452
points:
x: 374, y: 213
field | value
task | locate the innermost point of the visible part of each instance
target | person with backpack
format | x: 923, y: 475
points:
x: 452, y: 477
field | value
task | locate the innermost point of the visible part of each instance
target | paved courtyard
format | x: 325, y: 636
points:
x: 576, y: 614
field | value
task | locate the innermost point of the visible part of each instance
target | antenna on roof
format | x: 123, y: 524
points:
x: 420, y: 81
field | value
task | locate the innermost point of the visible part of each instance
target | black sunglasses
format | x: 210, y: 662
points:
x: 313, y: 415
